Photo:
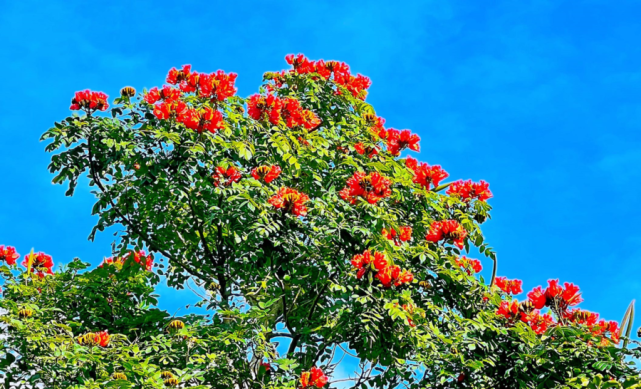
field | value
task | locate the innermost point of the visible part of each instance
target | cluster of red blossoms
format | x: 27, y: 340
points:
x: 273, y: 108
x: 447, y: 230
x: 140, y: 257
x: 371, y: 151
x: 404, y: 235
x: 386, y: 273
x: 424, y: 174
x: 558, y: 299
x: 513, y: 287
x: 313, y: 377
x: 38, y: 263
x: 266, y: 173
x: 371, y: 187
x: 357, y: 85
x: 89, y: 101
x: 469, y: 265
x: 9, y: 255
x: 468, y: 190
x: 101, y: 339
x: 397, y: 141
x: 226, y: 177
x: 290, y: 201
x: 216, y: 86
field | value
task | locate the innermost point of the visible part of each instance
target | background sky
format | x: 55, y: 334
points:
x: 540, y: 98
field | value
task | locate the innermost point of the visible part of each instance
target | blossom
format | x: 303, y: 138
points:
x: 375, y: 125
x: 313, y: 377
x: 362, y: 262
x: 39, y: 263
x: 357, y: 85
x: 425, y: 174
x: 266, y: 173
x: 404, y: 235
x: 300, y: 63
x: 509, y: 286
x: 139, y: 257
x: 371, y: 187
x: 167, y: 94
x: 397, y: 141
x: 202, y: 119
x: 555, y: 296
x: 447, y: 230
x: 176, y: 76
x: 539, y: 323
x: 292, y: 112
x: 469, y: 265
x: 579, y: 316
x: 166, y: 109
x: 290, y: 200
x: 268, y: 106
x: 371, y: 151
x: 9, y: 255
x: 310, y: 120
x: 468, y: 190
x: 102, y: 338
x: 89, y: 101
x: 227, y: 176
x: 217, y: 86
x: 509, y: 309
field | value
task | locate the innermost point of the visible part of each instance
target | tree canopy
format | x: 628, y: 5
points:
x: 306, y: 225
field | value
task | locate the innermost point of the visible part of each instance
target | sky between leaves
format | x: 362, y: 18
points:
x: 540, y: 98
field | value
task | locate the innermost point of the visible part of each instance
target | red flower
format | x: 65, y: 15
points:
x: 397, y: 141
x: 371, y: 151
x: 447, y: 230
x: 166, y: 109
x: 89, y: 101
x: 313, y: 377
x: 539, y: 323
x: 176, y: 76
x: 356, y: 85
x: 537, y: 297
x: 202, y: 119
x: 227, y: 176
x: 310, y: 120
x: 411, y: 163
x: 300, y: 63
x: 509, y: 286
x: 469, y: 265
x: 9, y: 255
x: 266, y: 173
x: 218, y: 86
x: 290, y: 200
x: 167, y: 94
x: 371, y: 187
x: 509, y: 310
x: 425, y: 174
x: 39, y: 263
x: 102, y: 338
x: 266, y: 365
x: 292, y: 112
x: 468, y: 190
x: 362, y: 261
x: 578, y: 316
x: 265, y: 106
x: 404, y: 236
x: 571, y: 295
x: 375, y: 125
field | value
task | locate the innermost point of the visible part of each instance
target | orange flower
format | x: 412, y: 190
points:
x: 290, y: 200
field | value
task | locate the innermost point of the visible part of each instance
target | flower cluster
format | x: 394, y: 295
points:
x: 266, y: 173
x: 404, y: 235
x: 294, y: 115
x: 397, y: 141
x: 265, y: 107
x: 375, y: 125
x: 424, y: 174
x: 513, y: 287
x: 89, y: 101
x: 9, y: 255
x: 226, y: 177
x: 290, y: 201
x: 139, y: 257
x: 447, y: 230
x: 371, y: 187
x: 217, y: 86
x: 371, y: 151
x: 357, y: 85
x: 201, y: 119
x: 289, y: 109
x: 555, y: 297
x: 513, y: 311
x: 468, y: 190
x: 386, y: 273
x: 166, y: 94
x: 313, y: 377
x: 469, y: 265
x: 95, y: 339
x: 39, y: 263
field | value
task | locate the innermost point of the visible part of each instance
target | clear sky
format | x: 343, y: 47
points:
x: 540, y: 98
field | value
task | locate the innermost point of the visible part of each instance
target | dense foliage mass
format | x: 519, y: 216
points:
x: 297, y: 216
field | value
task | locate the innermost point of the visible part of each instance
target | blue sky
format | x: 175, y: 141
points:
x: 540, y: 98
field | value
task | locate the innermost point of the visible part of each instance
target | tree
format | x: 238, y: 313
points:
x: 307, y: 228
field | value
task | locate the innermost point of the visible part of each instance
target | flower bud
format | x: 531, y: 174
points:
x: 171, y: 382
x: 166, y: 375
x: 25, y: 312
x: 127, y: 91
x: 176, y: 325
x: 119, y: 376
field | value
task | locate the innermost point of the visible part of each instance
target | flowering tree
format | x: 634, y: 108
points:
x: 295, y: 211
